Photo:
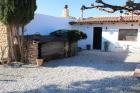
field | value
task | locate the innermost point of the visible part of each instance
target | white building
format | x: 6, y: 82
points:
x: 45, y: 24
x: 122, y: 32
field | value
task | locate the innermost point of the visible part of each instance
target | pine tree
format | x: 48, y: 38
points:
x: 15, y: 14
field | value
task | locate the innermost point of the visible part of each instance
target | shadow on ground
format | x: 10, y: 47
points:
x: 107, y: 85
x: 8, y: 80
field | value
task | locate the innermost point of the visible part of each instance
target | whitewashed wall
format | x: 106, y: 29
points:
x: 88, y: 29
x: 45, y: 24
x: 110, y: 33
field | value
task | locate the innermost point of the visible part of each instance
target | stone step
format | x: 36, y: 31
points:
x: 137, y: 71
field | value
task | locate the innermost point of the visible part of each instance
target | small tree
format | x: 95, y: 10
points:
x: 15, y: 14
x: 71, y: 35
x: 74, y: 36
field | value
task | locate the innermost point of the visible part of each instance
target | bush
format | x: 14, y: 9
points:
x: 70, y: 35
x: 75, y: 35
x: 59, y: 33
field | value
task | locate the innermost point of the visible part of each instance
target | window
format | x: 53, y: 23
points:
x: 128, y: 34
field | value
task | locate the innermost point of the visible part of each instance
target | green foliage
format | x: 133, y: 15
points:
x: 59, y: 33
x: 71, y: 35
x: 17, y: 12
x: 75, y: 35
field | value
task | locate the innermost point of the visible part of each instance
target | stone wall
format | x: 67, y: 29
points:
x: 49, y: 51
x: 53, y: 50
x: 3, y: 40
x: 31, y: 52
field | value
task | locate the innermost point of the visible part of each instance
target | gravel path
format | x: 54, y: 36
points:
x: 89, y: 72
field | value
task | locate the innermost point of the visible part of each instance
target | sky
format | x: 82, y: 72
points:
x: 55, y: 7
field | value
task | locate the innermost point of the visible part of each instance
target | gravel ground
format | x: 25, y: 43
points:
x: 89, y: 72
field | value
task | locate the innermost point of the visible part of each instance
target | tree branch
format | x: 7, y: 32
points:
x: 130, y: 7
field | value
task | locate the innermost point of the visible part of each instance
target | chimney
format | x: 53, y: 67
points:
x: 65, y: 12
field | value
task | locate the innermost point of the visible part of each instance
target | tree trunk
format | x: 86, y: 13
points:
x: 14, y: 49
x: 22, y: 45
x: 69, y: 49
x: 10, y: 44
x: 20, y: 38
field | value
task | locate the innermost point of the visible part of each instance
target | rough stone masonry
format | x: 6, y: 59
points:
x: 3, y: 40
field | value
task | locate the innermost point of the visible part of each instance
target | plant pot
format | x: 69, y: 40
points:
x: 39, y: 62
x: 106, y: 46
x: 88, y: 47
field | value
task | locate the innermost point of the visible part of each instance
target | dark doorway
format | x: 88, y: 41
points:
x: 97, y: 38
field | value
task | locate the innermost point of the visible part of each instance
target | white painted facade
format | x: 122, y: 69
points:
x: 110, y: 33
x: 45, y: 24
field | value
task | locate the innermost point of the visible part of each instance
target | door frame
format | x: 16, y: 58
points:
x: 97, y: 41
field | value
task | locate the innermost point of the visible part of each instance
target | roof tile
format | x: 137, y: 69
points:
x: 108, y: 19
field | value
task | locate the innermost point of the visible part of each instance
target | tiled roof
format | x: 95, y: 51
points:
x: 113, y: 19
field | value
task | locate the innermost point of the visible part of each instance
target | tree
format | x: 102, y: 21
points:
x: 15, y: 14
x: 129, y: 7
x: 71, y: 35
x: 74, y: 36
